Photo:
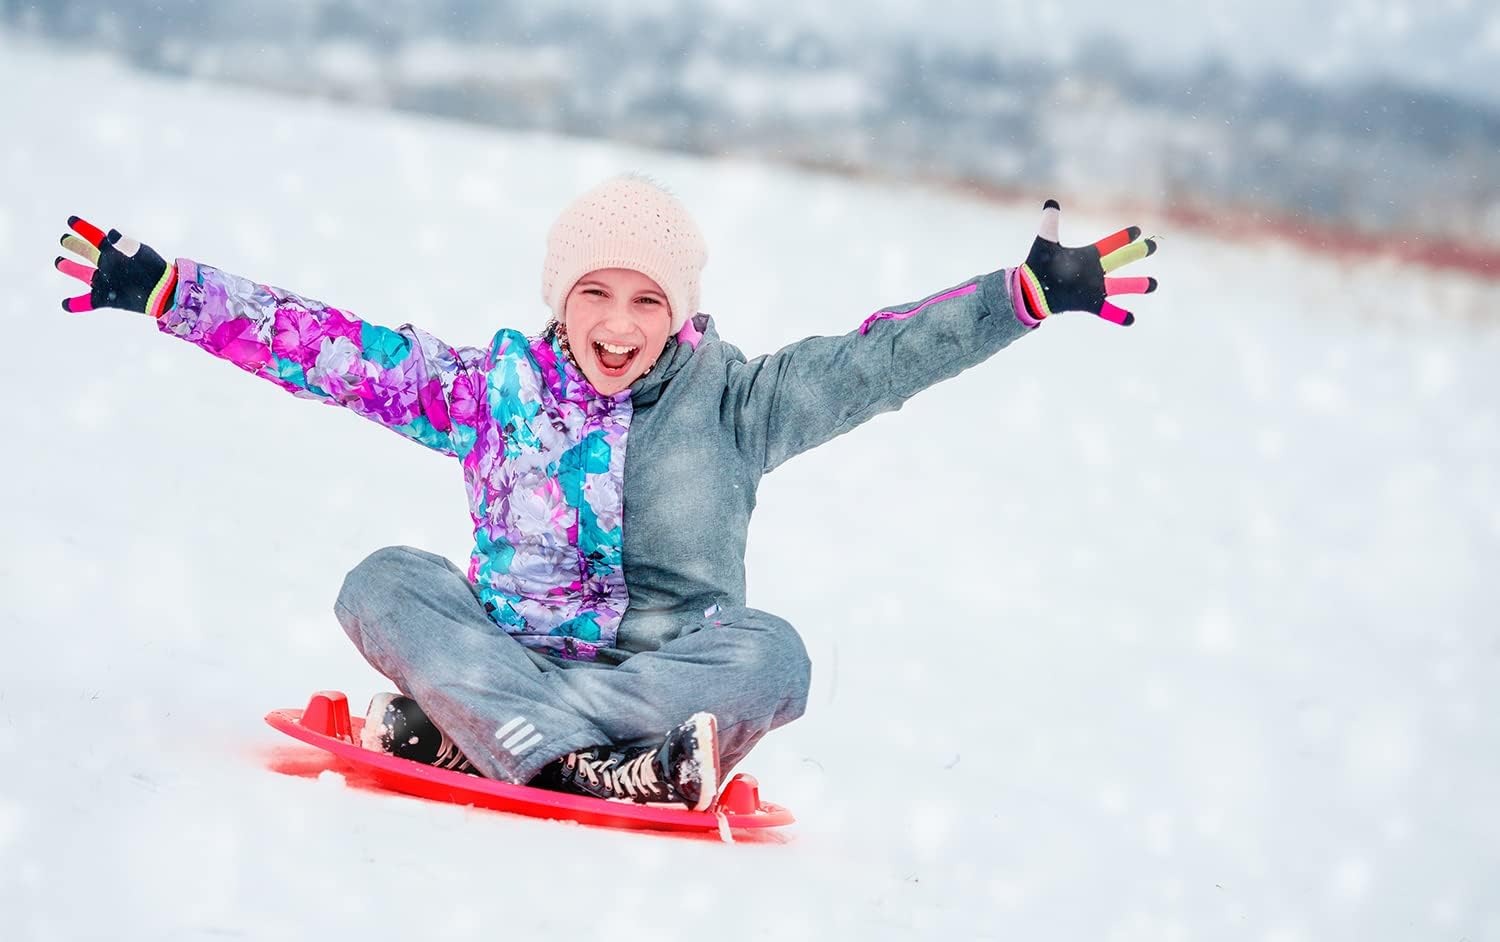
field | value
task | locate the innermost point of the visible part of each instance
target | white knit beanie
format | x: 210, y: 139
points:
x: 627, y: 221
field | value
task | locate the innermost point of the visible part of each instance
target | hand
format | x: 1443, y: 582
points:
x: 129, y: 275
x: 1056, y: 278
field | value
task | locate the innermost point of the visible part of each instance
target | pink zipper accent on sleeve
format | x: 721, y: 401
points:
x: 903, y: 315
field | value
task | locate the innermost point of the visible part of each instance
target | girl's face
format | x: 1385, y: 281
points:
x: 622, y: 309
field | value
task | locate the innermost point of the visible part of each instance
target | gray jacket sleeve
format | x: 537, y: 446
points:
x: 799, y: 397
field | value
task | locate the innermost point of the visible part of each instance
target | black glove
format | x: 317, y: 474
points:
x: 129, y: 275
x: 1056, y: 278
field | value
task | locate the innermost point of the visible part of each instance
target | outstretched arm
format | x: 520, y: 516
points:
x: 817, y: 388
x: 820, y: 387
x: 404, y: 379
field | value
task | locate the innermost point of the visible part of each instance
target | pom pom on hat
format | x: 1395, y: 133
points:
x: 628, y: 221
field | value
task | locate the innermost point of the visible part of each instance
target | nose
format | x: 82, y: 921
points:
x: 617, y: 319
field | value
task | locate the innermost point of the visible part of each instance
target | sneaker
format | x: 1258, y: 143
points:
x: 396, y: 726
x: 682, y: 769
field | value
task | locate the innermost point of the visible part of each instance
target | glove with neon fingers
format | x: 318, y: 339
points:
x: 127, y: 275
x: 1059, y: 278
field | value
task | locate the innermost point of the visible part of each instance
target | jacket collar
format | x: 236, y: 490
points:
x: 674, y: 356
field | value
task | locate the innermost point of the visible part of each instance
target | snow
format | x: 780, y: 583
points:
x: 1181, y: 631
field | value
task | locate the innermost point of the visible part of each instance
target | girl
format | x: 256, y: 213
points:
x: 599, y: 642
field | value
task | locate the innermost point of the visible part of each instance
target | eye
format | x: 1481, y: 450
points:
x: 593, y: 291
x: 648, y: 299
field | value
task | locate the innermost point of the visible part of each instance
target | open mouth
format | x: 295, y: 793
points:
x: 614, y: 359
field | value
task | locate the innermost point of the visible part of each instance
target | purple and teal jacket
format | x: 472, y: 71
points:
x: 601, y: 523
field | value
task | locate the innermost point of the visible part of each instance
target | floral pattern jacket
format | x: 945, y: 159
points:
x: 544, y: 455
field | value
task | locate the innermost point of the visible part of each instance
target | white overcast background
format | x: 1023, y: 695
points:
x: 1181, y: 631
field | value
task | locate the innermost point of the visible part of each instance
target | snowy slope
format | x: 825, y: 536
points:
x: 1185, y: 631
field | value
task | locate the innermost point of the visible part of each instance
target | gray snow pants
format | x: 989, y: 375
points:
x: 511, y: 710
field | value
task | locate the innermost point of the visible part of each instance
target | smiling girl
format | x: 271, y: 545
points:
x: 599, y: 641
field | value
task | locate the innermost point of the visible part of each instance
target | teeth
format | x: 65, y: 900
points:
x: 612, y: 348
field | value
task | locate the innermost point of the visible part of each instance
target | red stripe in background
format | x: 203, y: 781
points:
x: 89, y: 231
x: 1240, y: 223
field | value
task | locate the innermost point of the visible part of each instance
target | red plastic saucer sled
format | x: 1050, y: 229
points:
x: 326, y: 724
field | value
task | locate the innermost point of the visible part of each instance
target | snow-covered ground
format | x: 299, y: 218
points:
x: 1185, y: 631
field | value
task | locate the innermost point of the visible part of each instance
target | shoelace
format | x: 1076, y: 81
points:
x: 449, y: 756
x: 635, y: 777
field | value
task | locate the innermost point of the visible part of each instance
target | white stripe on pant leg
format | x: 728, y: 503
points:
x: 504, y: 730
x: 526, y: 745
x: 521, y: 734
